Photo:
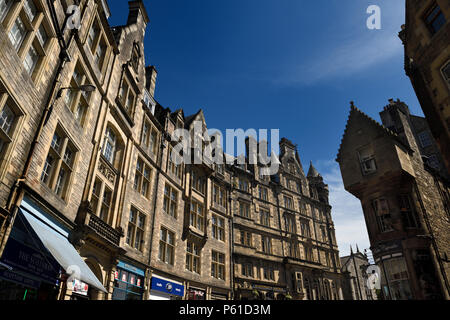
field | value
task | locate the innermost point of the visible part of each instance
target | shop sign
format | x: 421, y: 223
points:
x: 19, y: 279
x: 167, y: 287
x: 386, y: 247
x: 29, y: 260
x: 80, y: 287
x: 130, y: 268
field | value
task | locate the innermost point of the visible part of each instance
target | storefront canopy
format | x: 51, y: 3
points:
x: 57, y: 243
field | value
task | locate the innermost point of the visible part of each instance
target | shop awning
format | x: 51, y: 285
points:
x: 59, y: 246
x: 5, y: 266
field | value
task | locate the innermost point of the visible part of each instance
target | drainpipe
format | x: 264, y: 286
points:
x: 155, y: 196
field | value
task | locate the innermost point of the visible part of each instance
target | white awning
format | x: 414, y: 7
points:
x: 61, y: 249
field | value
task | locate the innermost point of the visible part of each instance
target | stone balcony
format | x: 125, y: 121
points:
x: 94, y: 227
x: 104, y: 230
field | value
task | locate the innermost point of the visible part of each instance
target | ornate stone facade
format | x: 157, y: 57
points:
x: 97, y: 164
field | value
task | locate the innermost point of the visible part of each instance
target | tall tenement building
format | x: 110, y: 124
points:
x: 426, y: 37
x: 92, y: 203
x: 405, y: 196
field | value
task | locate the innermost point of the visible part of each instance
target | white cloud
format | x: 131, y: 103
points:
x: 350, y: 52
x: 347, y: 211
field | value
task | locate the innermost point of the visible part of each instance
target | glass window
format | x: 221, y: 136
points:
x: 425, y: 139
x: 109, y: 148
x: 7, y: 118
x: 93, y: 34
x: 244, y: 210
x: 135, y: 231
x: 446, y: 72
x: 218, y: 228
x: 381, y: 208
x: 17, y: 33
x: 58, y: 166
x: 106, y: 205
x: 30, y: 9
x: 247, y: 270
x: 42, y: 35
x: 166, y: 246
x: 127, y: 286
x: 397, y: 279
x: 265, y: 218
x: 407, y: 212
x: 246, y: 238
x: 435, y: 19
x: 197, y: 216
x: 4, y: 8
x: 266, y: 244
x: 193, y: 257
x: 367, y: 160
x: 170, y: 201
x: 218, y: 265
x: 142, y: 178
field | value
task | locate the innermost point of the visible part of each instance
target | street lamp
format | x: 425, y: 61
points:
x: 84, y: 88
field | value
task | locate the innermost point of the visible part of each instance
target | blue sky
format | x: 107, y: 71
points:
x: 292, y: 65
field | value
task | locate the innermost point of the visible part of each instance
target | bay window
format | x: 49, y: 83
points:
x: 197, y: 216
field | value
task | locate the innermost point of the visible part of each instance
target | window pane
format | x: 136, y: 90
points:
x: 17, y: 33
x: 6, y: 119
x: 4, y: 7
x: 31, y: 60
x: 30, y: 9
x: 42, y: 35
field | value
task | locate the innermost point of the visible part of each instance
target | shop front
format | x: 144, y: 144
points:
x: 128, y: 282
x: 166, y: 289
x: 38, y: 258
x: 218, y: 296
x: 196, y: 294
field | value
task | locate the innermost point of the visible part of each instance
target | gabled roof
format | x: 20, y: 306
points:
x: 188, y: 120
x: 355, y: 111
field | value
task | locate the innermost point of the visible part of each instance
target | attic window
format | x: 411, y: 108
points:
x: 135, y: 56
x: 367, y: 161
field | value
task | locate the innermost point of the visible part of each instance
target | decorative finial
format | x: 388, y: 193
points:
x: 352, y: 103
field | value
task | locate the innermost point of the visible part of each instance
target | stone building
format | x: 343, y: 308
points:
x: 405, y: 201
x: 426, y: 38
x: 93, y: 204
x: 284, y: 240
x: 355, y: 268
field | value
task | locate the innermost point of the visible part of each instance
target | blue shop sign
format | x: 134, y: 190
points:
x: 167, y: 287
x: 128, y: 267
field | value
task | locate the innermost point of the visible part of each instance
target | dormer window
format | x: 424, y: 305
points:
x: 367, y: 161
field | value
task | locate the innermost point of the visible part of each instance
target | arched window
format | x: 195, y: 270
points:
x: 109, y: 146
